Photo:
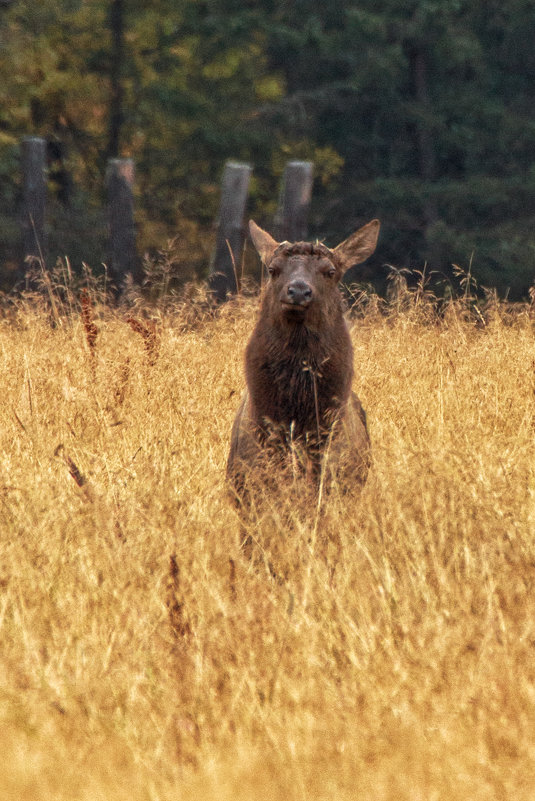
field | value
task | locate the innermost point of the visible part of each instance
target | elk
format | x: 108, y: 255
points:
x: 298, y: 414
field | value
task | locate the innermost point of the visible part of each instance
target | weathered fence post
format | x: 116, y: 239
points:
x: 291, y: 218
x: 34, y: 197
x: 230, y: 230
x: 120, y: 181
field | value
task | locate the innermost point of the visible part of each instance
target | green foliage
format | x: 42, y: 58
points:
x: 420, y: 113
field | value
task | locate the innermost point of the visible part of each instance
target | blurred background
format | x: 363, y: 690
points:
x: 419, y: 113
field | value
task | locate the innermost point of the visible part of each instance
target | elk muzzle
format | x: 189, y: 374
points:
x: 298, y: 293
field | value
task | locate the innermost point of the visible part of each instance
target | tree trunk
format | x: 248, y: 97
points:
x: 34, y: 197
x: 120, y: 182
x: 226, y: 260
x: 294, y: 202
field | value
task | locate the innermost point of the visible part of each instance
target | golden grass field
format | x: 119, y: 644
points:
x: 144, y: 658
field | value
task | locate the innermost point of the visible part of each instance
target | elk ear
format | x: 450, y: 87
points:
x: 263, y: 242
x: 359, y: 246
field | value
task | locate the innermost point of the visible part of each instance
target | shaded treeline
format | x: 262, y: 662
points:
x: 419, y: 113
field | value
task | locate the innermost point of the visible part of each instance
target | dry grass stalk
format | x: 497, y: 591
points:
x: 405, y: 673
x: 150, y: 337
x: 232, y: 578
x: 19, y: 421
x: 180, y: 627
x: 91, y: 330
x: 122, y: 383
x: 74, y: 471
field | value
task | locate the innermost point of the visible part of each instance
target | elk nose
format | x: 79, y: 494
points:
x: 299, y: 292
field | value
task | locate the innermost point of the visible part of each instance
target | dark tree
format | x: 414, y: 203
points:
x: 116, y: 77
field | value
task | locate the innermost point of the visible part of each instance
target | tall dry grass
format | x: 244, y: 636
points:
x: 143, y: 657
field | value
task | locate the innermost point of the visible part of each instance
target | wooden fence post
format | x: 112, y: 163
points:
x: 226, y: 260
x: 34, y: 197
x: 291, y: 219
x: 120, y: 181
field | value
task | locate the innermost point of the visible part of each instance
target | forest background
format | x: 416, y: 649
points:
x: 419, y: 113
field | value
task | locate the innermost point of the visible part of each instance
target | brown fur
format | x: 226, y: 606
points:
x: 299, y: 414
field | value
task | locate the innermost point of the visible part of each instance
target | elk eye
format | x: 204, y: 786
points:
x: 331, y: 272
x: 272, y: 270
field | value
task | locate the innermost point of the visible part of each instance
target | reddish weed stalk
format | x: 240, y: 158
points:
x: 150, y: 337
